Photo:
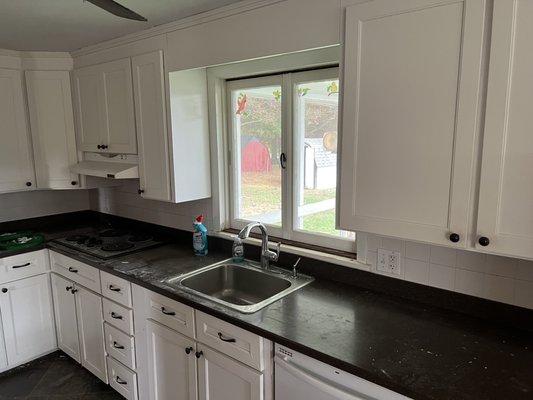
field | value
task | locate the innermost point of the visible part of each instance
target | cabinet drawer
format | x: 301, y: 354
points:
x: 23, y: 265
x: 120, y: 346
x: 170, y: 313
x: 76, y: 271
x: 116, y: 289
x: 238, y: 343
x: 122, y: 379
x: 118, y: 316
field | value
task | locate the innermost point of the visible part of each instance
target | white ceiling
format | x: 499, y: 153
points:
x: 66, y: 25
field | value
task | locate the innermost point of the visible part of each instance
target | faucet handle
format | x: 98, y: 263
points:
x: 294, y: 270
x: 278, y: 249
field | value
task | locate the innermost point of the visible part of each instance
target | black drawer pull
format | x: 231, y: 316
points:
x: 22, y: 266
x: 115, y: 316
x: 73, y: 291
x: 188, y: 350
x: 117, y: 346
x: 120, y: 381
x: 225, y: 339
x: 114, y: 289
x: 199, y: 354
x: 68, y: 288
x: 74, y: 270
x: 167, y: 312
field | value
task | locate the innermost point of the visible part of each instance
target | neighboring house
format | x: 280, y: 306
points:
x: 320, y: 165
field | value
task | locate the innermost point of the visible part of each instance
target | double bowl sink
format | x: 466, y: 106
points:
x: 244, y: 287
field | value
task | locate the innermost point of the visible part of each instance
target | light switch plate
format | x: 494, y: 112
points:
x: 389, y: 261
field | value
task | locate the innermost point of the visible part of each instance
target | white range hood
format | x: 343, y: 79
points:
x: 113, y: 166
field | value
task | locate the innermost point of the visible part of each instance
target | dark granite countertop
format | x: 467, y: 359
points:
x: 419, y: 350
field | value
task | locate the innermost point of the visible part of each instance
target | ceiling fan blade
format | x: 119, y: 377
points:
x: 117, y: 9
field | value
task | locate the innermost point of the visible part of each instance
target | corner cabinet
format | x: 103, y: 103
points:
x: 16, y: 167
x: 52, y: 129
x: 151, y: 121
x: 410, y: 103
x: 103, y: 96
x: 505, y: 213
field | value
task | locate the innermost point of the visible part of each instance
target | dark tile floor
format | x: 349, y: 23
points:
x: 53, y: 377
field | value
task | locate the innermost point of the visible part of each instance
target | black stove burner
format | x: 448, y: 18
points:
x: 113, y: 233
x: 117, y: 246
x: 77, y: 238
x: 93, y: 241
x: 140, y: 237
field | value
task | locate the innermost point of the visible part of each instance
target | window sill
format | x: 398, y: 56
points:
x: 340, y: 258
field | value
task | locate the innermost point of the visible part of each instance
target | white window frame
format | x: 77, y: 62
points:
x: 288, y: 82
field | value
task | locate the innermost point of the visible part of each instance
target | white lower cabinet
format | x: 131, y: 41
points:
x: 27, y: 319
x: 65, y: 312
x: 171, y: 364
x: 222, y: 378
x: 174, y: 365
x: 79, y: 320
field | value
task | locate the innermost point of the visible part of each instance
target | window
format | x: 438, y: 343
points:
x: 283, y: 155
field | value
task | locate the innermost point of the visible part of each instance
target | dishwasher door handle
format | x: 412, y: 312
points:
x: 306, y: 377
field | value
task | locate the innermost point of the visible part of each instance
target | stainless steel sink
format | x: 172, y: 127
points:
x: 244, y: 287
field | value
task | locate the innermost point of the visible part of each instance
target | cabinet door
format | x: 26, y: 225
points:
x: 410, y: 104
x: 91, y: 332
x: 3, y: 355
x: 222, y: 378
x: 27, y: 318
x: 65, y: 316
x: 90, y: 108
x: 171, y: 364
x: 151, y: 120
x: 119, y: 134
x: 16, y: 169
x: 505, y: 213
x: 52, y: 128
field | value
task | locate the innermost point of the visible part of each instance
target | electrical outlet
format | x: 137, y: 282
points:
x: 389, y: 261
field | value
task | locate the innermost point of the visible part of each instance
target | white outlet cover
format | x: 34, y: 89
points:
x: 388, y: 261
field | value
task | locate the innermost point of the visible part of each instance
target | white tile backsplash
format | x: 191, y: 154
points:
x: 469, y: 282
x: 124, y: 201
x: 416, y: 271
x: 492, y: 277
x: 441, y: 276
x: 443, y: 256
x: 417, y: 251
x: 499, y: 288
x: 38, y: 203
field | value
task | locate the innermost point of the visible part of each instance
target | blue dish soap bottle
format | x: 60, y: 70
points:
x: 199, y: 237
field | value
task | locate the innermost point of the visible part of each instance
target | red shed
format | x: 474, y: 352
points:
x: 256, y: 157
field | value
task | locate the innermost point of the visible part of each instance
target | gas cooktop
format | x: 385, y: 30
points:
x: 108, y: 243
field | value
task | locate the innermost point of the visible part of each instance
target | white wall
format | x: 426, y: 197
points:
x: 38, y: 203
x: 124, y: 201
x: 503, y: 279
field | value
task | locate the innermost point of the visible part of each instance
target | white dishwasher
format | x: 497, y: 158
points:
x: 299, y: 377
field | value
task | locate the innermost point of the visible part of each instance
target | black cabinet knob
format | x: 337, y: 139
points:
x: 4, y: 290
x: 188, y: 350
x: 73, y: 183
x: 199, y: 354
x: 454, y: 237
x: 484, y: 241
x: 99, y: 146
x: 28, y: 184
x: 140, y: 191
x: 105, y: 146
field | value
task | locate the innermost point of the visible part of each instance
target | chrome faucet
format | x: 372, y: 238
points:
x: 266, y: 254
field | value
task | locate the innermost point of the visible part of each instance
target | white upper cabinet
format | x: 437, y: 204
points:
x: 151, y: 119
x: 16, y: 168
x: 104, y: 106
x: 410, y: 105
x: 52, y: 128
x: 505, y: 213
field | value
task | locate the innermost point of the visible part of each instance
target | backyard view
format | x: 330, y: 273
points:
x: 257, y: 129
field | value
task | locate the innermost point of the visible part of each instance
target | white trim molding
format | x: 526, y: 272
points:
x: 36, y: 60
